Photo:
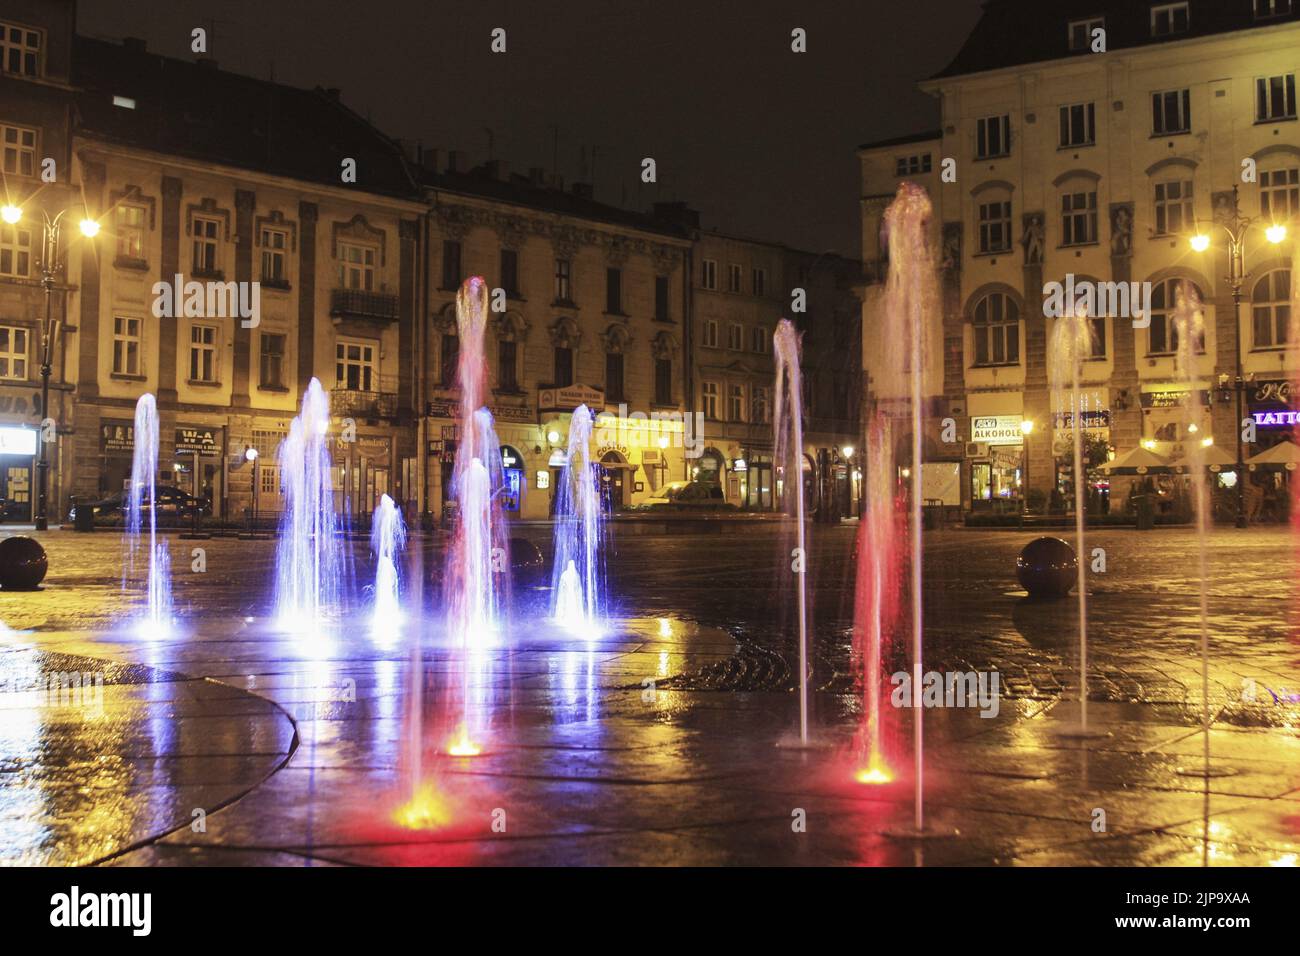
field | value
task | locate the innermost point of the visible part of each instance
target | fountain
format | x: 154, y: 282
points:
x: 308, y: 563
x: 787, y: 425
x: 579, y: 570
x: 877, y: 591
x: 157, y: 619
x: 910, y: 310
x: 1070, y: 346
x: 387, y: 540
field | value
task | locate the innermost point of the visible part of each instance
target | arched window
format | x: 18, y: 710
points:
x: 1271, y: 309
x: 997, y: 330
x: 1162, y: 336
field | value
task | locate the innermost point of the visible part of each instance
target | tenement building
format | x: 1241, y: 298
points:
x: 1113, y: 142
x: 254, y: 236
x: 590, y: 308
x: 743, y: 288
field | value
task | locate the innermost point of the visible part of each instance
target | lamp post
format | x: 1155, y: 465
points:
x: 50, y: 266
x: 250, y: 454
x: 1236, y: 227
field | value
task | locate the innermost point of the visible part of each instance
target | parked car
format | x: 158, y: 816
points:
x: 172, y: 503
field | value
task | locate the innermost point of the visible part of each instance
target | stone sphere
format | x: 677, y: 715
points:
x: 1047, y: 568
x: 22, y: 563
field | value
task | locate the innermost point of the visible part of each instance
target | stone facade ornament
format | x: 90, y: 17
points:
x: 1032, y: 238
x: 1121, y: 230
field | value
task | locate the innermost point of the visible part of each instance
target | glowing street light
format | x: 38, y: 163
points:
x: 847, y: 451
x: 1200, y: 242
x: 1275, y: 234
x: 89, y: 228
x: 11, y: 214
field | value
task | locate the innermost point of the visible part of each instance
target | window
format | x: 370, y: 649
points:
x: 709, y: 273
x: 1279, y: 195
x: 19, y: 145
x: 356, y: 266
x: 1272, y: 8
x: 614, y: 291
x: 761, y: 405
x: 354, y: 366
x: 733, y: 278
x: 563, y: 367
x: 1274, y: 99
x: 1080, y: 33
x: 1169, y: 19
x: 510, y: 271
x: 997, y: 330
x: 13, y: 352
x: 507, y: 365
x: 661, y: 299
x: 614, y: 377
x: 126, y: 346
x: 1079, y: 218
x: 274, y: 242
x: 758, y: 339
x: 913, y: 165
x: 711, y: 333
x: 663, y: 381
x: 758, y: 281
x: 271, y: 374
x: 1078, y: 125
x: 735, y: 337
x: 736, y: 403
x: 995, y: 226
x: 128, y: 223
x: 207, y: 233
x: 1162, y: 336
x: 993, y: 137
x: 20, y: 50
x: 15, y: 251
x: 203, y: 353
x: 450, y: 264
x: 1173, y: 207
x: 711, y: 400
x: 1271, y: 309
x: 1098, y: 343
x: 563, y: 280
x: 1171, y: 112
x: 449, y: 359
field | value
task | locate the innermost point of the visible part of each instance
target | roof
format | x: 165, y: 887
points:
x: 1015, y: 32
x: 521, y: 191
x: 198, y: 111
x: 926, y: 137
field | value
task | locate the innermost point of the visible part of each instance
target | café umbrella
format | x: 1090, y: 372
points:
x: 1212, y: 457
x: 1284, y: 456
x: 1138, y: 461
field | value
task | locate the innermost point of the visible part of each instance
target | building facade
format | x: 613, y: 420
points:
x: 1092, y: 150
x: 593, y: 303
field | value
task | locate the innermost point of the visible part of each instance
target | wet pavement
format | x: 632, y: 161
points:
x: 666, y: 741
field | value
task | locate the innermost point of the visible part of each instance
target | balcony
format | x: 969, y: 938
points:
x: 366, y: 306
x: 347, y: 403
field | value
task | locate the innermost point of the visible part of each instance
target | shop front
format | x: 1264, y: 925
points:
x: 996, y: 457
x: 197, y: 466
x: 1094, y: 446
x: 17, y: 471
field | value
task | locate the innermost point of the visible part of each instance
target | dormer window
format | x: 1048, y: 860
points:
x: 1264, y: 9
x: 20, y: 50
x: 912, y: 165
x: 1170, y: 19
x: 1080, y: 33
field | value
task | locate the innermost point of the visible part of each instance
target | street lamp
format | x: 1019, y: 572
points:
x: 250, y: 454
x: 50, y: 266
x: 1236, y: 227
x: 1026, y: 429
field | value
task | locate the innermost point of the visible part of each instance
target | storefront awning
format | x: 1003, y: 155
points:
x: 1284, y: 456
x: 1138, y: 461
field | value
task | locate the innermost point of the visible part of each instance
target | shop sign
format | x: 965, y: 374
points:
x: 1172, y: 398
x: 201, y: 440
x: 514, y: 414
x: 116, y: 437
x: 1272, y: 393
x: 1092, y: 420
x: 17, y: 441
x: 1275, y: 418
x: 570, y: 397
x: 996, y: 430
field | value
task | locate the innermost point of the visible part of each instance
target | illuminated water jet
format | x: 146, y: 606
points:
x: 156, y: 621
x: 387, y: 540
x: 578, y: 577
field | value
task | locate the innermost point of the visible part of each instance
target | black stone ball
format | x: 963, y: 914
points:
x: 22, y: 563
x: 1047, y: 568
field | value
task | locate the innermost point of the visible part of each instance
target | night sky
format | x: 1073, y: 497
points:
x: 760, y: 139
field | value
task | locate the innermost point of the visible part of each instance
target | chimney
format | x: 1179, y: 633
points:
x: 498, y: 169
x: 455, y: 161
x: 135, y: 44
x: 582, y: 190
x: 429, y: 160
x: 537, y: 175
